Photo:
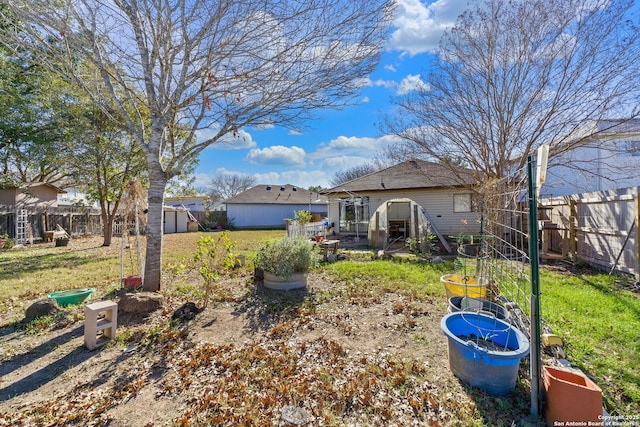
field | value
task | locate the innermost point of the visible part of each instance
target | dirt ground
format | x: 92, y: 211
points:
x: 335, y: 353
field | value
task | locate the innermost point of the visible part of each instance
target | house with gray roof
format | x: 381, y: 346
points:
x: 433, y: 190
x: 269, y: 206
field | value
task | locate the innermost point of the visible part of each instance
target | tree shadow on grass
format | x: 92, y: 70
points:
x: 56, y: 368
x: 46, y: 373
x: 9, y: 267
x: 615, y: 294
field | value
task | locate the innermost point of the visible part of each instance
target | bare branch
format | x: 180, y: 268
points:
x: 511, y: 76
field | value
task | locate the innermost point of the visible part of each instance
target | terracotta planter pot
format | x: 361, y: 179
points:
x: 571, y: 396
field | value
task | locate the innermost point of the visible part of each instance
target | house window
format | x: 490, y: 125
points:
x: 354, y: 215
x: 462, y: 202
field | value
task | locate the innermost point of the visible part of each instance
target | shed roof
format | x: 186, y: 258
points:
x: 185, y: 198
x: 278, y: 194
x: 408, y: 174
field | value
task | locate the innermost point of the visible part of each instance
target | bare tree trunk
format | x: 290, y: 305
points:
x: 153, y: 262
x: 240, y: 64
x: 107, y: 224
x: 108, y: 214
x: 107, y: 231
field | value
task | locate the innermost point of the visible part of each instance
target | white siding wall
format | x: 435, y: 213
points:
x: 438, y: 203
x: 589, y: 168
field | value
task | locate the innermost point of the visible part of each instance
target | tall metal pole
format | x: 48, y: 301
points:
x: 534, y: 355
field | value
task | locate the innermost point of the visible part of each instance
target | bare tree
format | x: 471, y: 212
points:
x: 206, y: 69
x: 511, y: 76
x: 225, y: 185
x: 345, y: 175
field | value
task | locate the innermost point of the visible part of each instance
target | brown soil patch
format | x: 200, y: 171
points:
x: 333, y: 354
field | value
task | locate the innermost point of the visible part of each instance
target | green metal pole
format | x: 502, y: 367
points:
x: 534, y: 355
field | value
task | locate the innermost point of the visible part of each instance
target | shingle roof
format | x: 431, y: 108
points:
x: 405, y: 175
x: 27, y: 185
x: 278, y: 194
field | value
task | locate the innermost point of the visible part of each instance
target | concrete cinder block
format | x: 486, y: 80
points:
x: 99, y: 330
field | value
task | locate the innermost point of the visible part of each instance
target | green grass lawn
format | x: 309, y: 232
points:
x: 600, y: 325
x: 597, y: 319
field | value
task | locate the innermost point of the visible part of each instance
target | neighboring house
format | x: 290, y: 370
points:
x: 269, y: 206
x: 31, y: 196
x: 606, y: 160
x: 74, y: 197
x: 217, y: 207
x: 193, y: 203
x: 20, y: 204
x: 446, y: 203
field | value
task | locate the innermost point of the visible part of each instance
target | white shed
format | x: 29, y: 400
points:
x: 176, y: 219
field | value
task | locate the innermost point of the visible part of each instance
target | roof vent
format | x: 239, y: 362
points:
x: 281, y: 188
x: 268, y: 188
x: 295, y: 189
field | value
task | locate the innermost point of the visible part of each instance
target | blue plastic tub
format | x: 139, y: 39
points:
x: 493, y: 369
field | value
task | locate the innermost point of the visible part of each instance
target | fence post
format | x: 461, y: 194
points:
x: 573, y: 225
x: 534, y: 356
x: 376, y: 240
x: 636, y: 236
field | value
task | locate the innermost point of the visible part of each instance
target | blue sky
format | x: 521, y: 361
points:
x: 338, y: 140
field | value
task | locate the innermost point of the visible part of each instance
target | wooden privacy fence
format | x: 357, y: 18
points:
x: 76, y: 221
x: 597, y: 228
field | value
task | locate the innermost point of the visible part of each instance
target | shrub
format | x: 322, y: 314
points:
x: 285, y: 257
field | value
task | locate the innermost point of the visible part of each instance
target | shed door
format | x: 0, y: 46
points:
x: 169, y: 222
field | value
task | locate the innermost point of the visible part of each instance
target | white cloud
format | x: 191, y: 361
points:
x: 277, y: 154
x: 410, y: 83
x: 419, y: 25
x: 389, y: 84
x: 390, y: 68
x: 242, y: 140
x: 352, y: 144
x: 269, y: 178
x: 334, y: 164
x: 365, y: 100
x: 201, y: 180
x: 265, y: 126
x: 340, y: 153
